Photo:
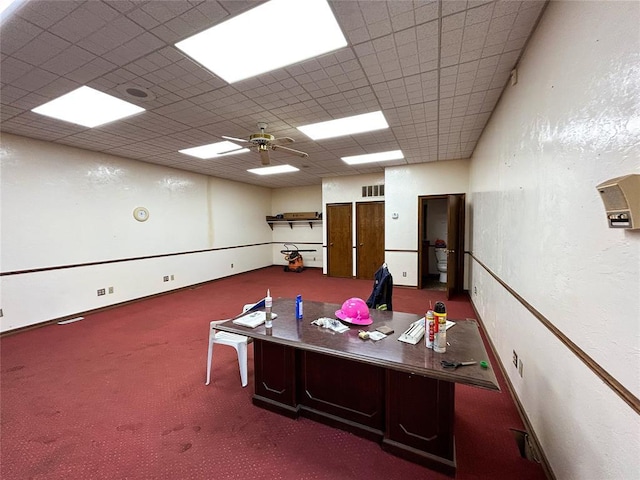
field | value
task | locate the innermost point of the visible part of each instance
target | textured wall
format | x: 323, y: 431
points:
x: 571, y: 122
x: 64, y: 206
x: 403, y: 187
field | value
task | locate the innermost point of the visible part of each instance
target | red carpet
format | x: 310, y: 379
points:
x: 121, y: 395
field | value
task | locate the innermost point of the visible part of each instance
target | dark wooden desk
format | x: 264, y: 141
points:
x: 387, y: 391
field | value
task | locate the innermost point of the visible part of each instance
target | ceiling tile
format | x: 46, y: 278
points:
x: 436, y: 88
x: 83, y: 21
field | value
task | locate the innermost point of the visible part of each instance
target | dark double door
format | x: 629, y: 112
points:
x: 369, y: 241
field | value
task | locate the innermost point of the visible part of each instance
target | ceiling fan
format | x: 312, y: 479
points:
x: 263, y: 142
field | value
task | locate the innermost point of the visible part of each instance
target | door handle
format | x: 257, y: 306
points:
x: 362, y: 244
x: 451, y: 251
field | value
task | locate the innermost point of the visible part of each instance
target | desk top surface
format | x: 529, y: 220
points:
x: 465, y: 343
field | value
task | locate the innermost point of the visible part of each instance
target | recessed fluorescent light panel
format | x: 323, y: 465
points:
x: 273, y: 170
x: 273, y: 35
x: 366, y: 122
x: 213, y: 150
x: 8, y: 7
x: 88, y: 107
x: 373, y: 157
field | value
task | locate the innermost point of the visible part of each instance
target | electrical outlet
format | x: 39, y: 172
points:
x: 515, y: 359
x: 520, y: 367
x: 1, y: 313
x: 101, y: 292
x: 404, y: 274
x: 232, y: 265
x: 110, y: 290
x: 165, y: 278
x: 475, y: 290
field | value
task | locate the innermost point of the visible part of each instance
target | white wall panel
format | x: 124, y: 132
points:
x: 64, y: 205
x: 571, y: 122
x: 68, y: 207
x: 403, y: 186
x: 404, y: 267
x: 32, y: 298
x: 238, y: 213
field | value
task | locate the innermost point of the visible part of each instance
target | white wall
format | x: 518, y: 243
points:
x: 301, y: 234
x: 571, y: 122
x: 403, y: 186
x: 65, y: 207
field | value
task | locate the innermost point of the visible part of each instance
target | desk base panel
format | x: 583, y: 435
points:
x: 410, y: 415
x: 434, y: 462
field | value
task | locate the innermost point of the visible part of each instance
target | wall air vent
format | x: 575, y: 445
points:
x: 373, y: 191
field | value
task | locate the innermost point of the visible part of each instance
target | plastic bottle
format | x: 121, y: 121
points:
x: 440, y: 328
x: 299, y: 311
x: 268, y: 302
x: 429, y: 323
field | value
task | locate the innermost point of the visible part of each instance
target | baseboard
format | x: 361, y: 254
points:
x: 539, y: 452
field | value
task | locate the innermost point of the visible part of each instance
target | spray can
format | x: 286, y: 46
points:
x: 429, y: 322
x: 299, y: 311
x: 268, y: 303
x: 440, y: 328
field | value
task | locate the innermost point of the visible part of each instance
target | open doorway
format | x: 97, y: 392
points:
x: 441, y: 243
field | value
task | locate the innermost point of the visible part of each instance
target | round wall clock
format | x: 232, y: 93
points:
x: 141, y: 214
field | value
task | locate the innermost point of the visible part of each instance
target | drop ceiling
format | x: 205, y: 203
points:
x: 436, y: 69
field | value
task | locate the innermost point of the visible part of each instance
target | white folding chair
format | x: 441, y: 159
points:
x: 239, y: 342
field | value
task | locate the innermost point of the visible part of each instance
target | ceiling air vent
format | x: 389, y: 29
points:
x: 373, y: 191
x: 135, y: 92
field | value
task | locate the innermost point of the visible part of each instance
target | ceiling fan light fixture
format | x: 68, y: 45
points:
x: 88, y: 107
x: 213, y: 150
x: 366, y: 122
x: 373, y: 157
x: 273, y: 170
x: 235, y: 49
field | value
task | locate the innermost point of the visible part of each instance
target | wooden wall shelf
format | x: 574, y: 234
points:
x: 275, y: 221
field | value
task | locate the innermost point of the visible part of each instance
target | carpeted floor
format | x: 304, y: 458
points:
x: 121, y: 395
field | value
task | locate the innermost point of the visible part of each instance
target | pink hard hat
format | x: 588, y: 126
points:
x: 355, y: 311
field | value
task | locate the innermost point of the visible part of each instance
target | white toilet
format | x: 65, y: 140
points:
x: 441, y: 259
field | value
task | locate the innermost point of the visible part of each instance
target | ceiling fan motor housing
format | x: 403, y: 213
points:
x: 261, y: 138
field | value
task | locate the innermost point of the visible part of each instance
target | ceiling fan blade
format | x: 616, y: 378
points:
x: 231, y: 151
x: 290, y: 150
x: 282, y: 141
x: 234, y: 139
x: 264, y: 157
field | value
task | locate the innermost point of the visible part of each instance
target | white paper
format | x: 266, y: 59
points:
x: 253, y: 319
x: 376, y: 336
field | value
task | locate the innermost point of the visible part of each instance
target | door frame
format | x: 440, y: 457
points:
x: 459, y: 248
